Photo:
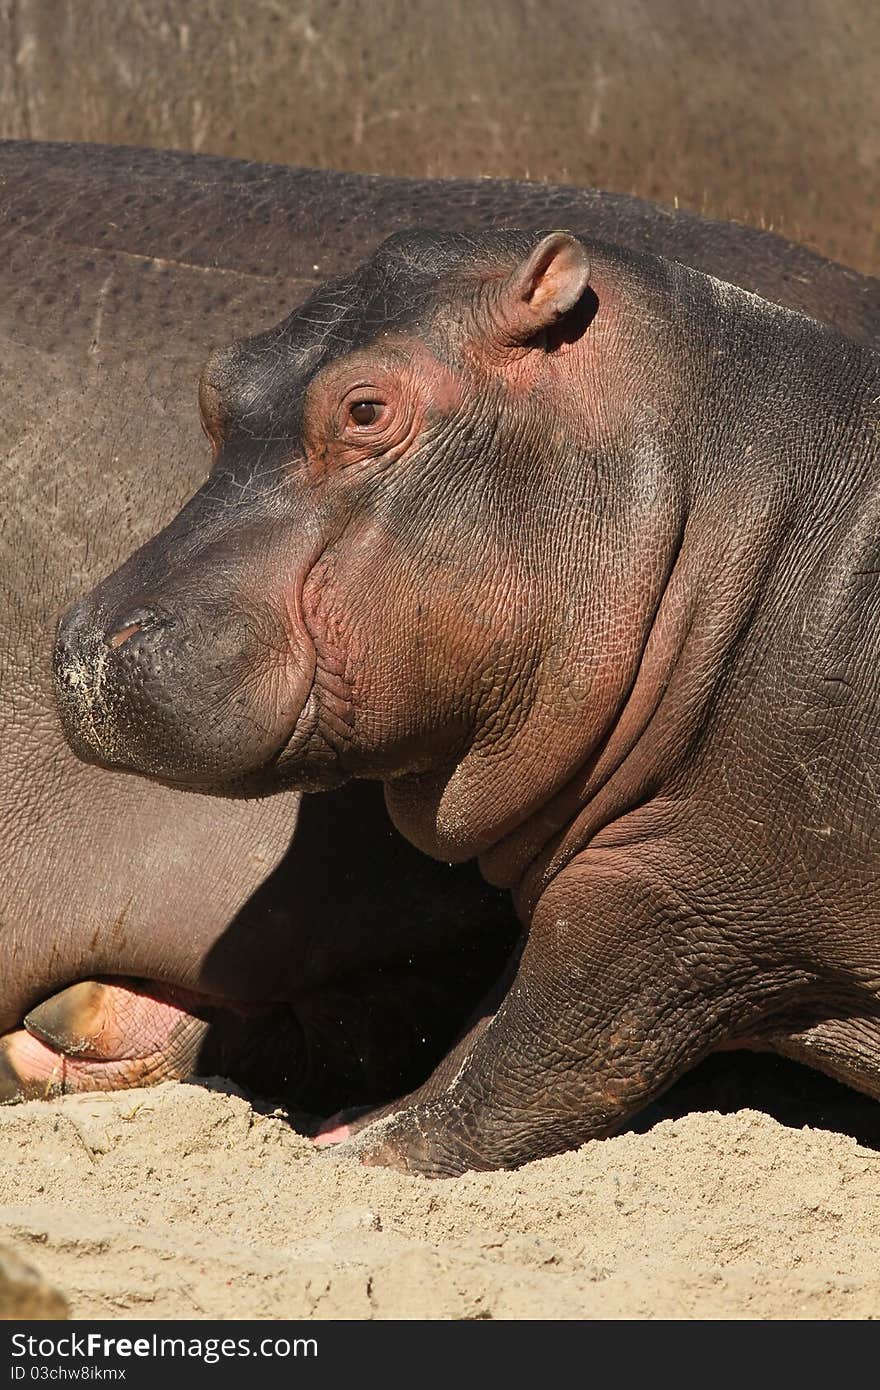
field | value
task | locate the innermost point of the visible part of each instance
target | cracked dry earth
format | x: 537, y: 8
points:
x: 185, y: 1201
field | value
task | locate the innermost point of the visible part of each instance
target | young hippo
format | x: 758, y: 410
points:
x: 576, y: 550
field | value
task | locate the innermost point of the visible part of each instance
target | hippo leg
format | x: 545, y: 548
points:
x: 612, y: 1001
x: 103, y: 1035
x: 346, y: 1123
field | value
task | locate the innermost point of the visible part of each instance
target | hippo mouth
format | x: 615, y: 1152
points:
x: 290, y: 767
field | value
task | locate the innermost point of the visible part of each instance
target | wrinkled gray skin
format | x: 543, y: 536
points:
x: 120, y: 271
x: 575, y: 549
x: 763, y: 110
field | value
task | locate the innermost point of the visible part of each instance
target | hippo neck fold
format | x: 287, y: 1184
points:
x: 704, y: 523
x: 602, y: 513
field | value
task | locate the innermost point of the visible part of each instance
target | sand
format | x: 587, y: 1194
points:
x: 190, y: 1201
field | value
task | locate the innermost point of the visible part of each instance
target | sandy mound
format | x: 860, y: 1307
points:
x: 184, y: 1201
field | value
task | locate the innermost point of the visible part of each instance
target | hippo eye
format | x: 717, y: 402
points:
x: 365, y: 412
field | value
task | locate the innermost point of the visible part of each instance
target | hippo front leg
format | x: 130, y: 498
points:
x: 617, y: 994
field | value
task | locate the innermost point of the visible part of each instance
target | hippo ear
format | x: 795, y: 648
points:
x: 543, y: 288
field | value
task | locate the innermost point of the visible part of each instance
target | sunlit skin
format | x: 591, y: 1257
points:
x: 559, y: 543
x: 135, y: 882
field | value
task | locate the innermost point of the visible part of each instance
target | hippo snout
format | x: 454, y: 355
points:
x: 165, y: 693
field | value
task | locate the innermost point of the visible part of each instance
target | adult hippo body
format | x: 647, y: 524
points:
x: 761, y: 110
x: 575, y: 549
x: 120, y: 270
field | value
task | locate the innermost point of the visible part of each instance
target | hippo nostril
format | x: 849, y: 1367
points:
x: 141, y: 620
x: 123, y: 635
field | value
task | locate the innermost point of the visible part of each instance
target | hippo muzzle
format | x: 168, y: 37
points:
x: 156, y: 675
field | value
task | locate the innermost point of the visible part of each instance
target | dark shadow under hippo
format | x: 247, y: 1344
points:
x: 120, y: 271
x: 762, y: 110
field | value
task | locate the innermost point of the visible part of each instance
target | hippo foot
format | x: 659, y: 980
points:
x: 422, y: 1140
x: 103, y: 1035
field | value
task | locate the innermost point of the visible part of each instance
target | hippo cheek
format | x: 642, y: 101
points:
x: 196, y: 696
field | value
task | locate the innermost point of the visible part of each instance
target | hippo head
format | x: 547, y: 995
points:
x: 374, y: 581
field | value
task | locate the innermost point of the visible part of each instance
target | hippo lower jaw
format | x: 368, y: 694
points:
x: 303, y: 762
x: 104, y: 677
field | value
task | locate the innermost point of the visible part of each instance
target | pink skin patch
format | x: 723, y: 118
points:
x: 103, y: 1035
x: 110, y: 1021
x: 32, y: 1071
x: 332, y: 1131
